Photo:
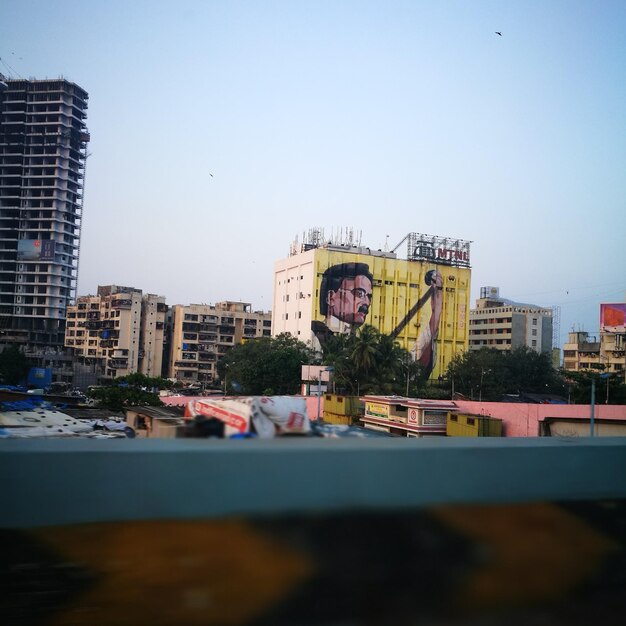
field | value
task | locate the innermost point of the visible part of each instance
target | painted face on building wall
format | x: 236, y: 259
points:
x: 350, y: 302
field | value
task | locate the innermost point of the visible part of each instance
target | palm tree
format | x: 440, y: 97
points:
x: 365, y: 352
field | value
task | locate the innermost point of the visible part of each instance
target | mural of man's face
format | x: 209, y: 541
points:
x: 351, y: 302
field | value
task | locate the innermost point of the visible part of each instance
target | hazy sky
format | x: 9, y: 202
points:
x: 385, y: 117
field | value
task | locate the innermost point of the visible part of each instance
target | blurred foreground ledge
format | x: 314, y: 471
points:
x: 440, y: 532
x: 49, y: 482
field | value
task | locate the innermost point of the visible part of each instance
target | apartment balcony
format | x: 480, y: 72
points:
x: 188, y: 365
x: 121, y: 304
x: 117, y: 363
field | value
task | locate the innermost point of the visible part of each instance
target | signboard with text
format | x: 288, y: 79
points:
x: 440, y: 250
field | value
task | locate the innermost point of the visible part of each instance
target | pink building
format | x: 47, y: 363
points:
x: 532, y: 420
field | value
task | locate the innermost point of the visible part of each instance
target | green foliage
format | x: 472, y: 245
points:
x: 14, y: 365
x: 370, y: 363
x: 609, y: 387
x: 489, y: 374
x: 132, y: 390
x: 140, y: 380
x: 265, y: 366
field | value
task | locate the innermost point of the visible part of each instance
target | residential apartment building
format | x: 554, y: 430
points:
x: 43, y: 152
x: 120, y: 330
x: 202, y: 334
x: 506, y: 325
x: 608, y: 353
x: 422, y: 300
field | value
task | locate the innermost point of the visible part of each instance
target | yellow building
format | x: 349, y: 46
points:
x: 422, y: 299
x: 342, y: 409
x: 467, y: 425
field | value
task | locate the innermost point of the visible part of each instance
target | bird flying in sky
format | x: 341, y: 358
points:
x: 498, y: 33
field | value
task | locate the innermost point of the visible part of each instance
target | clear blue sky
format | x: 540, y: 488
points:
x: 387, y: 117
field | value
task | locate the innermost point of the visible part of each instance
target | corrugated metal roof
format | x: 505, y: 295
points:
x: 160, y: 412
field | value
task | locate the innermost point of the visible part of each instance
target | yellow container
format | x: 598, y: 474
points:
x: 468, y: 425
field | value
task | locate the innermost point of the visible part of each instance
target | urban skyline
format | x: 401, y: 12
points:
x: 219, y: 133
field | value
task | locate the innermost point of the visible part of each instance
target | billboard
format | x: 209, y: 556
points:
x: 440, y: 250
x: 35, y: 250
x: 612, y: 317
x: 422, y: 304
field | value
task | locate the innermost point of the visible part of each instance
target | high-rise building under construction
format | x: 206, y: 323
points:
x: 43, y: 150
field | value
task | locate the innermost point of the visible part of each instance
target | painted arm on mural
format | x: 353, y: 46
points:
x: 425, y: 344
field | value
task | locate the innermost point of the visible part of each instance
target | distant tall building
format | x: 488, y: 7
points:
x: 120, y: 331
x: 43, y: 150
x: 505, y: 325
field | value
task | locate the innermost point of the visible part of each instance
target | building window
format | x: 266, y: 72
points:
x: 534, y: 343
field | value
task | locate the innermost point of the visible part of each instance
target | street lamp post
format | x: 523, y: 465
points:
x: 607, y: 376
x: 593, y: 406
x: 482, y: 373
x: 319, y: 394
x: 319, y: 387
x: 226, y: 366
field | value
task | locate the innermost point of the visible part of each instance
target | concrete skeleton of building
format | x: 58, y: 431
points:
x: 202, y: 334
x: 584, y: 352
x: 43, y: 153
x: 506, y: 325
x: 120, y: 330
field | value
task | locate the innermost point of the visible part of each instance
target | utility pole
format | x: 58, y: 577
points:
x: 593, y: 405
